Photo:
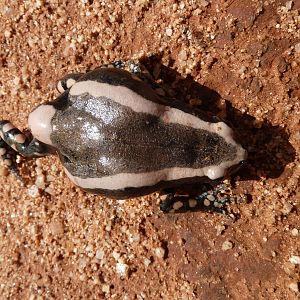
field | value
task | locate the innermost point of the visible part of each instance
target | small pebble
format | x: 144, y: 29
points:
x: 82, y: 262
x: 99, y: 254
x: 134, y: 238
x: 82, y: 277
x: 7, y: 33
x: 227, y: 245
x: 39, y: 162
x: 295, y: 260
x: 40, y: 181
x: 33, y: 191
x: 116, y: 255
x: 295, y: 232
x: 56, y: 227
x: 297, y: 48
x: 50, y: 178
x: 182, y: 55
x: 169, y: 31
x: 289, y: 5
x: 121, y: 269
x: 147, y: 262
x: 203, y: 3
x: 287, y: 208
x: 105, y: 288
x: 39, y: 170
x: 49, y: 190
x: 294, y: 286
x: 159, y: 252
x: 89, y: 248
x: 220, y: 229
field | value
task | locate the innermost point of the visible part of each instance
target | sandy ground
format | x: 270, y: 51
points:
x: 240, y: 59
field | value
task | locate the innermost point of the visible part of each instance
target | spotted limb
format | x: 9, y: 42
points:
x: 13, y: 141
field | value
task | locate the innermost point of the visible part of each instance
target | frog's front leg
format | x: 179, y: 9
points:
x: 138, y: 71
x: 67, y: 81
x: 211, y: 200
x: 13, y: 141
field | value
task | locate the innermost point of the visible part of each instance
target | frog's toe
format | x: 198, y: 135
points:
x: 214, y: 200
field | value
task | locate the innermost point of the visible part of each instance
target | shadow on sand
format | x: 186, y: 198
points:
x: 269, y: 150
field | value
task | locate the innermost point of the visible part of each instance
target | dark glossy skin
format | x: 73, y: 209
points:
x: 127, y: 138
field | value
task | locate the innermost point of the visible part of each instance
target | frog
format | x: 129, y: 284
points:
x: 117, y: 133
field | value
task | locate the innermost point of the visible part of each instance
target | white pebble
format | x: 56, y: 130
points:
x: 147, y: 262
x: 294, y: 286
x: 295, y: 260
x: 7, y: 33
x: 40, y: 181
x: 33, y: 191
x: 159, y: 252
x: 121, y: 269
x: 220, y: 229
x: 203, y: 3
x: 105, y: 288
x: 227, y: 245
x: 182, y: 55
x: 50, y: 178
x: 289, y: 5
x: 295, y: 232
x: 99, y: 254
x: 82, y: 277
x: 116, y: 255
x: 134, y: 238
x: 82, y: 263
x: 169, y: 31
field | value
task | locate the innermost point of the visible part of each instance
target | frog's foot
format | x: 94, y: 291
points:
x: 214, y: 200
x: 67, y: 81
x: 8, y: 157
x: 13, y: 141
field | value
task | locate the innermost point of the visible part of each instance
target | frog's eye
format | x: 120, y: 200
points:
x: 63, y: 85
x: 67, y: 82
x: 39, y: 122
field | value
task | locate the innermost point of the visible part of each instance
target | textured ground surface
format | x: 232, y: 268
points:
x: 242, y: 57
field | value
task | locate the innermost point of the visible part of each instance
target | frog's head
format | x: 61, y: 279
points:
x: 39, y: 122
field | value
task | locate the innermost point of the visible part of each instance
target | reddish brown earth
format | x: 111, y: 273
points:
x: 240, y: 59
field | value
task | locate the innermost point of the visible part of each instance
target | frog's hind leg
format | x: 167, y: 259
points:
x: 66, y: 82
x: 8, y: 158
x: 13, y: 141
x: 211, y: 200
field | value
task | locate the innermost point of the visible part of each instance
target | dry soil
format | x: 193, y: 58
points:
x: 239, y: 59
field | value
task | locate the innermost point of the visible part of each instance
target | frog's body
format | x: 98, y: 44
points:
x: 116, y: 136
